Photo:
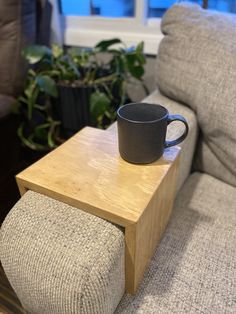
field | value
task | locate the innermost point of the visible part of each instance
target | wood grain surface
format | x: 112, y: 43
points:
x: 88, y: 173
x: 143, y: 236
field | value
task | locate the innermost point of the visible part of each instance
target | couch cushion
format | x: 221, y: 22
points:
x: 60, y: 259
x: 193, y: 269
x: 175, y: 129
x: 17, y: 29
x: 196, y: 65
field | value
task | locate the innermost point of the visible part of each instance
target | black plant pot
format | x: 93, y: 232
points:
x: 72, y: 108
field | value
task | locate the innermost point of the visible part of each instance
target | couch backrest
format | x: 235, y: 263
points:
x: 196, y: 65
x: 17, y: 29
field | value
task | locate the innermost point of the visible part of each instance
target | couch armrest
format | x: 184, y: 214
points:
x: 175, y: 129
x: 60, y: 259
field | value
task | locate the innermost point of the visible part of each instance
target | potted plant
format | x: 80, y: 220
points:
x: 66, y: 91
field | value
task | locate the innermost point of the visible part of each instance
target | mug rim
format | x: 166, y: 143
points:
x: 142, y: 122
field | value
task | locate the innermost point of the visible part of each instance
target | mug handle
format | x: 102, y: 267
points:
x: 177, y: 117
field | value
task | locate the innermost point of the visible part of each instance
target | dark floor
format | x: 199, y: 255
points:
x: 9, y: 303
x: 13, y: 159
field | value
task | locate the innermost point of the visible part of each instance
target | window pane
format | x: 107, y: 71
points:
x: 222, y: 5
x: 156, y: 8
x: 106, y: 8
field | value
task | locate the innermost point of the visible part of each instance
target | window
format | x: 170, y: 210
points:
x: 111, y: 8
x: 221, y: 5
x: 88, y: 21
x: 126, y: 8
x: 156, y: 8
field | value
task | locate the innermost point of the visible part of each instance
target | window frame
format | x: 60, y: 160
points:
x: 87, y: 31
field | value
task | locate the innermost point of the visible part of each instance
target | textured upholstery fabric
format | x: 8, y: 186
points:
x: 196, y: 65
x: 59, y: 259
x: 175, y: 129
x: 193, y: 269
x: 17, y: 29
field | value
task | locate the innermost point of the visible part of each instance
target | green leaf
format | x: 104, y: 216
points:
x: 57, y: 51
x: 30, y: 88
x: 140, y: 47
x: 136, y: 56
x: 140, y: 53
x: 41, y: 131
x: 35, y: 53
x: 74, y: 69
x: 104, y: 44
x: 141, y: 58
x: 119, y: 65
x: 99, y: 103
x: 27, y: 141
x: 47, y: 85
x: 131, y: 58
x: 31, y: 93
x: 137, y: 71
x: 51, y: 142
x: 136, y: 68
x: 135, y: 59
x: 81, y: 56
x: 51, y: 133
x: 31, y: 73
x: 41, y: 108
x: 78, y: 51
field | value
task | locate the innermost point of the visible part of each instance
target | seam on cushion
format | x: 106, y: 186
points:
x: 220, y: 161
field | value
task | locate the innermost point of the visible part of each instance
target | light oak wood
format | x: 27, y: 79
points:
x: 143, y: 236
x: 88, y: 173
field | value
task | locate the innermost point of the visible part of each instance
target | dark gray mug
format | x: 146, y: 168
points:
x: 142, y: 131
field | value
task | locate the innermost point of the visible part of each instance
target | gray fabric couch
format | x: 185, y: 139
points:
x: 21, y: 23
x: 62, y: 260
x: 17, y: 29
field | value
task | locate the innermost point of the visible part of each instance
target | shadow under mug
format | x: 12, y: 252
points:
x: 142, y: 131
